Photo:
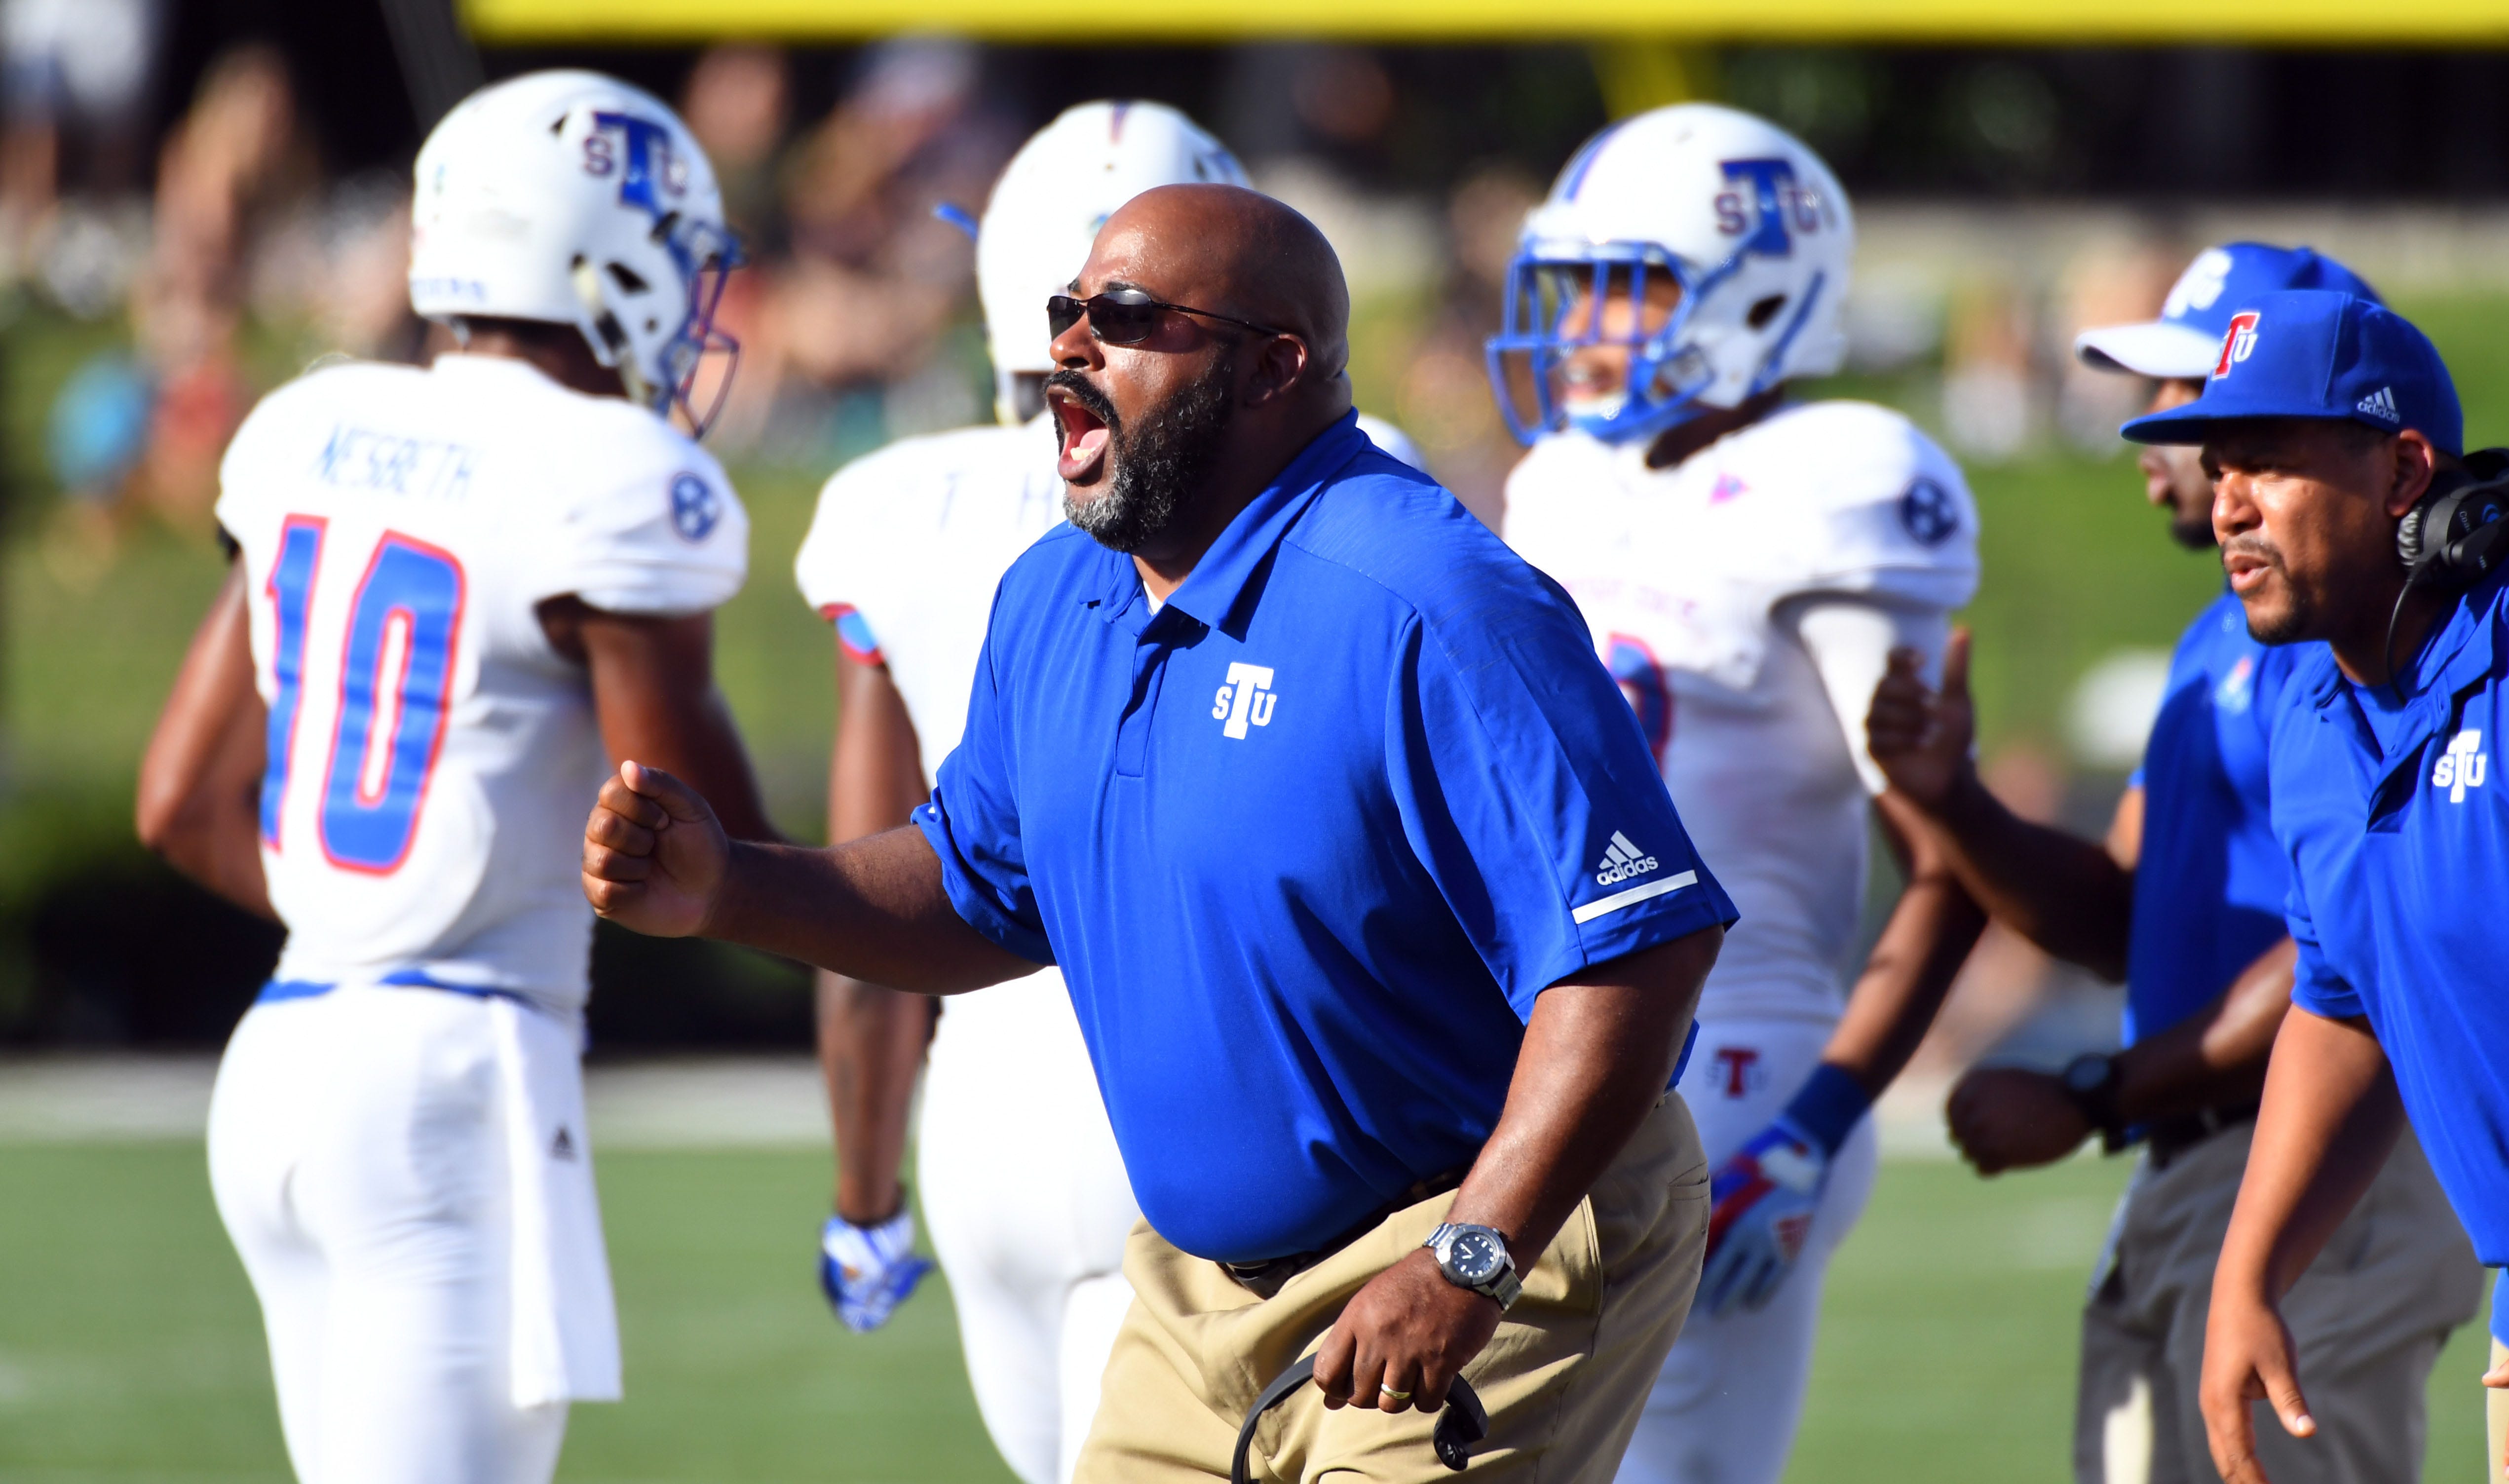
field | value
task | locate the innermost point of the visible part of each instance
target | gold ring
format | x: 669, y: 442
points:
x: 1391, y: 1394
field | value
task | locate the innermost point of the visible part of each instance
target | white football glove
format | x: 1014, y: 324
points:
x: 1763, y: 1202
x: 1763, y: 1199
x: 868, y: 1271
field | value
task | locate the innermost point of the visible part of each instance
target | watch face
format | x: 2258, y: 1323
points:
x: 1476, y: 1257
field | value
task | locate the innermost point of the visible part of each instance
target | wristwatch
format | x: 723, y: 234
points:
x: 1477, y: 1257
x: 2092, y: 1081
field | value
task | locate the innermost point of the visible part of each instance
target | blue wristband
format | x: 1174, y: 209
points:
x: 1829, y: 1107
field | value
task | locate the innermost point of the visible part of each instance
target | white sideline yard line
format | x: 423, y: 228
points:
x: 694, y: 1102
x: 1909, y: 1119
x: 17, y: 1475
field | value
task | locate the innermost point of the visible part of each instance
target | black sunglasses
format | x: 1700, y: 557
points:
x: 1126, y: 317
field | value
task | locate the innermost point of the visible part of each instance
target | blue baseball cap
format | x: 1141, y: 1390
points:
x: 2316, y: 353
x: 2186, y: 340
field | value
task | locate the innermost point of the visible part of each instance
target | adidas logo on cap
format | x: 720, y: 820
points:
x: 1622, y: 861
x: 2380, y: 404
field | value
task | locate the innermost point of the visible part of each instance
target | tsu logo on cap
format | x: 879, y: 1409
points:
x: 2333, y: 356
x: 2239, y: 344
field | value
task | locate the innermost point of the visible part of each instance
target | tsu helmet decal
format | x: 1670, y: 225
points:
x: 1740, y: 217
x: 574, y: 198
x: 1051, y: 199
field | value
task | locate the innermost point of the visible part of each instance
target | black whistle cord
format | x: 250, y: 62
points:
x: 1460, y: 1424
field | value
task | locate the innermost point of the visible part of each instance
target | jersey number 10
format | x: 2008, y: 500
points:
x: 396, y: 668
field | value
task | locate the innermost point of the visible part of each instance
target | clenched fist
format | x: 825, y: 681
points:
x: 655, y: 856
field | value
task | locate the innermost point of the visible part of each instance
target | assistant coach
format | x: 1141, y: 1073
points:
x: 2329, y: 427
x: 1380, y: 926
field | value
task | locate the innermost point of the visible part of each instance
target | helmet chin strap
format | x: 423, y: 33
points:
x: 612, y: 344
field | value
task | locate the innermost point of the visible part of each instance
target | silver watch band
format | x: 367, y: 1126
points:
x: 1504, y: 1288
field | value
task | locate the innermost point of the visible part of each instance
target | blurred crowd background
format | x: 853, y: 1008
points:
x: 199, y: 198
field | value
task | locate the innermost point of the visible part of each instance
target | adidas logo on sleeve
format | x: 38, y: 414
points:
x: 2380, y: 404
x: 1621, y: 861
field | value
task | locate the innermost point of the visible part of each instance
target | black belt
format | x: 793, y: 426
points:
x: 2170, y: 1138
x: 1266, y: 1278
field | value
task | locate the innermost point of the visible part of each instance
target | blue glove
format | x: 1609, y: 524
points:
x: 1762, y: 1199
x: 869, y: 1271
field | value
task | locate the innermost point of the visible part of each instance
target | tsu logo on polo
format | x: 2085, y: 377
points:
x: 2462, y: 766
x: 2239, y: 344
x: 1246, y: 700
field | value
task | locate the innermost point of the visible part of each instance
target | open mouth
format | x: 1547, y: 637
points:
x: 1081, y: 438
x: 2245, y: 570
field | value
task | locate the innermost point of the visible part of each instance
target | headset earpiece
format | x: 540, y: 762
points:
x: 2459, y: 529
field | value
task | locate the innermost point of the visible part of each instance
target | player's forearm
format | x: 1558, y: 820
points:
x: 2216, y: 1056
x: 870, y: 1048
x: 718, y: 766
x: 653, y: 691
x: 687, y: 732
x: 1597, y: 1055
x: 2060, y: 891
x: 198, y: 803
x: 872, y: 908
x: 1920, y: 952
x: 220, y: 851
x: 2330, y: 1118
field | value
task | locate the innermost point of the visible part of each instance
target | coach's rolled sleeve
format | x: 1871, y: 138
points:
x: 2315, y: 986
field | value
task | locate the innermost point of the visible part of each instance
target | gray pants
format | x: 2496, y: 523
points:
x: 2369, y: 1315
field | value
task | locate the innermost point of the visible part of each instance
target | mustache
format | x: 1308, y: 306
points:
x: 1087, y: 395
x: 2252, y: 544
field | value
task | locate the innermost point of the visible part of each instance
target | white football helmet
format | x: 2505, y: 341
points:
x: 574, y: 198
x: 1745, y: 217
x: 1050, y: 202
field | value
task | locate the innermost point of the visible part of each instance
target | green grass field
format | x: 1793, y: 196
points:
x: 130, y: 1352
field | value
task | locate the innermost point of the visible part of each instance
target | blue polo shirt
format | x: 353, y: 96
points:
x: 2398, y: 832
x: 2211, y: 880
x: 1308, y: 840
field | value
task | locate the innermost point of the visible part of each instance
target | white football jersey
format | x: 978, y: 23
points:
x: 432, y: 759
x: 907, y: 548
x: 1691, y: 577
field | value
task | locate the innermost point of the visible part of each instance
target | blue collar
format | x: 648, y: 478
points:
x: 2456, y: 659
x: 1216, y: 592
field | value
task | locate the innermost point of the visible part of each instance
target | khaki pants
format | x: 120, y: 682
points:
x: 1563, y: 1379
x: 2369, y: 1317
x: 2495, y: 1423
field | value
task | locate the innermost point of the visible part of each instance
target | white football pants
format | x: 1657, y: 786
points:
x: 1028, y: 1207
x: 358, y: 1154
x: 1724, y: 1410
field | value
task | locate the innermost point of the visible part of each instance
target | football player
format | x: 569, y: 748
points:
x: 458, y: 594
x: 1025, y: 1192
x: 1747, y: 563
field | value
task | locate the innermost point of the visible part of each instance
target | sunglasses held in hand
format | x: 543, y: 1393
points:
x: 1126, y: 317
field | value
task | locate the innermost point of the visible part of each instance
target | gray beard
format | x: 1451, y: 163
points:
x: 1158, y: 467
